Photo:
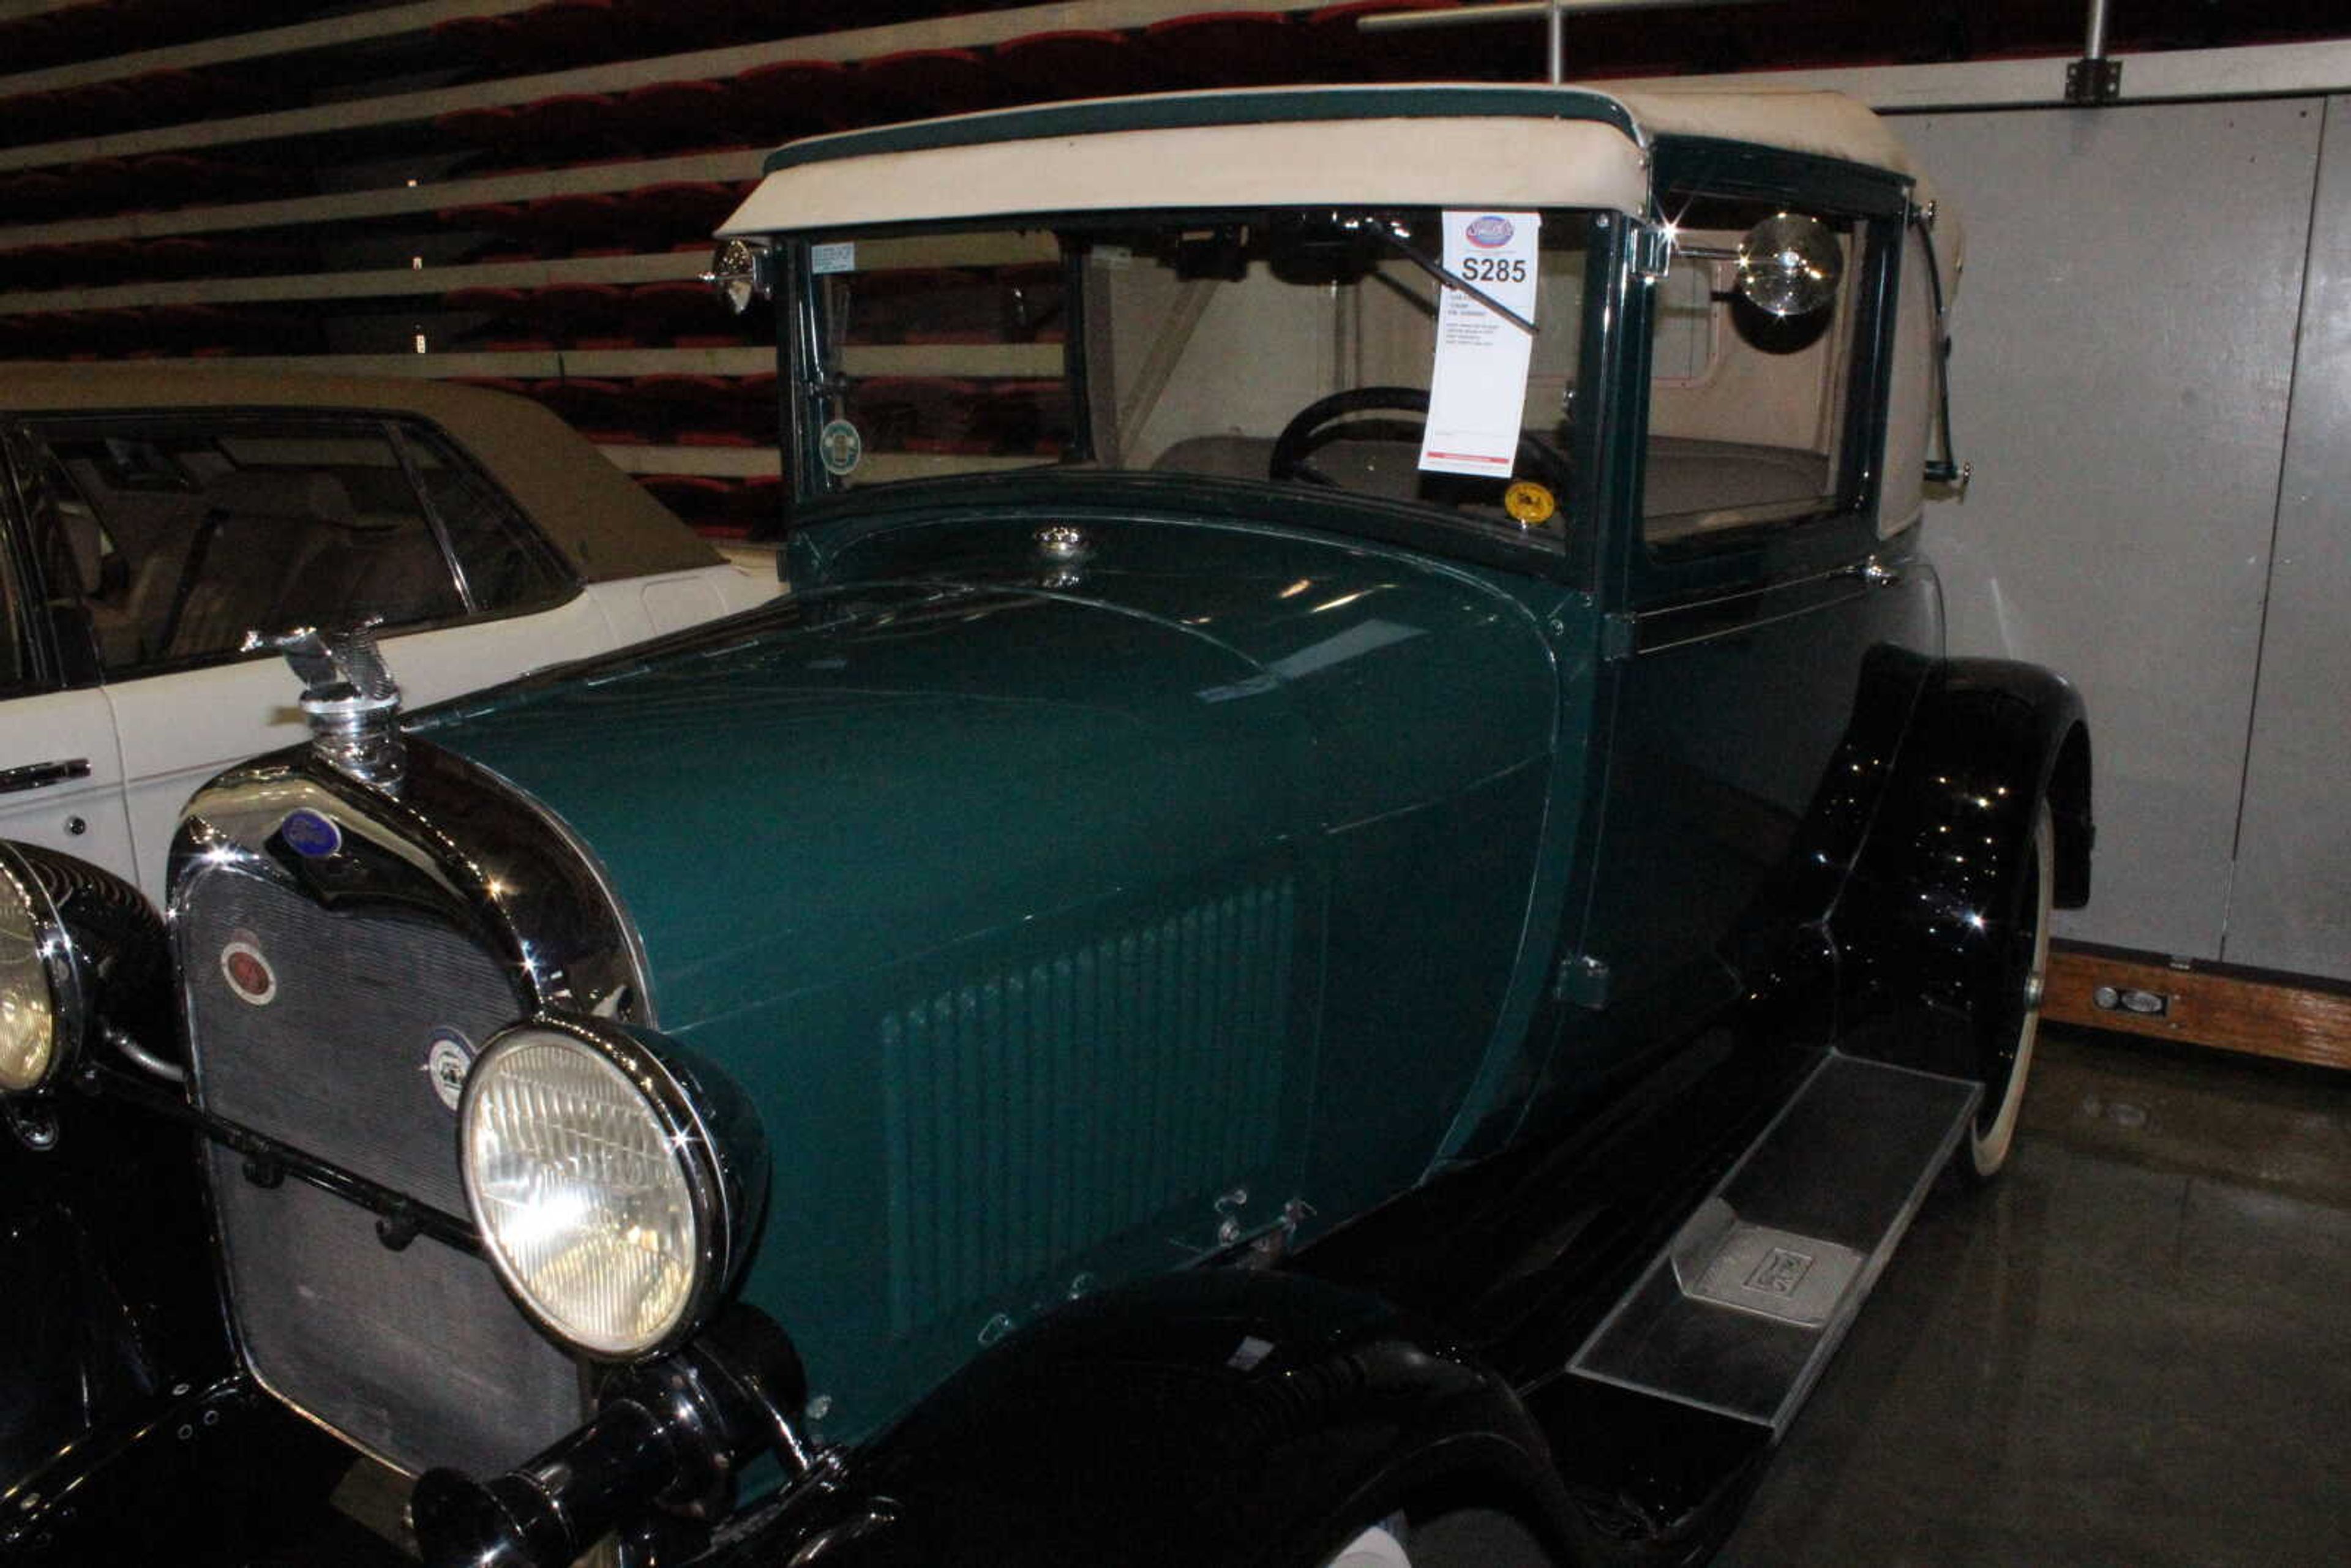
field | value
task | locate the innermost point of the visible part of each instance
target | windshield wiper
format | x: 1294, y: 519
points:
x: 1391, y: 235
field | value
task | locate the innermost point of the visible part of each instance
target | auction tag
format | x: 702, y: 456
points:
x: 1477, y: 387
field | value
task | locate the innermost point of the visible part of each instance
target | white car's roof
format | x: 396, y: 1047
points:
x: 1434, y: 144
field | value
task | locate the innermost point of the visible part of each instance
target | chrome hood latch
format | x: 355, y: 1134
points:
x: 349, y: 698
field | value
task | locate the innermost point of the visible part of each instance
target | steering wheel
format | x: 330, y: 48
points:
x: 1289, y: 459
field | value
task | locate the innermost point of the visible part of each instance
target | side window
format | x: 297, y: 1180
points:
x: 180, y: 533
x: 15, y: 655
x: 1748, y: 410
x: 1912, y: 401
x: 507, y: 565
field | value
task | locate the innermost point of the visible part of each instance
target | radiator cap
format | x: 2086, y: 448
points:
x: 349, y: 698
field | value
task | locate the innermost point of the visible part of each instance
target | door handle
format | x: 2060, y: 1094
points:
x: 39, y: 775
x: 1873, y: 572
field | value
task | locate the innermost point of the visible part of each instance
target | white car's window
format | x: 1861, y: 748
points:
x: 16, y: 667
x: 178, y: 534
x: 504, y: 564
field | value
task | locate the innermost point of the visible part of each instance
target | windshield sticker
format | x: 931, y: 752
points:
x: 1477, y: 387
x: 1530, y: 504
x: 840, y: 447
x: 840, y: 256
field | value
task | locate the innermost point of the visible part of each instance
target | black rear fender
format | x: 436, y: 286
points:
x: 1923, y: 923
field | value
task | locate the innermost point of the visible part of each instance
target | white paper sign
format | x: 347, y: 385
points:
x: 1477, y: 387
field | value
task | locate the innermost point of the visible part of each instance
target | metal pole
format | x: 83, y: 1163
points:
x: 2096, y: 78
x: 1519, y: 11
x: 1557, y: 26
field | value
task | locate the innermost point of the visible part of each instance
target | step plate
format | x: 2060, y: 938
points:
x: 1742, y: 1309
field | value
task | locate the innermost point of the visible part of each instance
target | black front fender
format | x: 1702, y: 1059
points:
x: 1222, y: 1416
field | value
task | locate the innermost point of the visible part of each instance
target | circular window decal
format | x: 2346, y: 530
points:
x: 840, y: 446
x: 250, y: 978
x: 1530, y: 504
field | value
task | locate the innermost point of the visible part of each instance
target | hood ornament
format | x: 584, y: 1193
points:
x: 349, y: 698
x: 1063, y: 548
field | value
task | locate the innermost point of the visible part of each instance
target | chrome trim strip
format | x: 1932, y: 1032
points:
x: 40, y: 775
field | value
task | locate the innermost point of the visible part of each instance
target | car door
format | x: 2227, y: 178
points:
x: 166, y: 537
x: 1763, y: 620
x: 60, y: 770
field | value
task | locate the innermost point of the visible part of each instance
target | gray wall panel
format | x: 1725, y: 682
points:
x: 2291, y: 906
x: 2126, y: 335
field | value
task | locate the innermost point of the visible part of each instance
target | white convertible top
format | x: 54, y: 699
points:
x: 1432, y: 144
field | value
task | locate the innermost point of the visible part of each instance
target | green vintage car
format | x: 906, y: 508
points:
x: 1339, y: 922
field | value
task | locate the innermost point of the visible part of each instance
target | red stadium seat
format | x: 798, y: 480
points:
x: 491, y: 125
x: 693, y: 497
x: 665, y: 115
x: 1223, y: 48
x: 480, y: 44
x: 567, y: 122
x: 568, y: 33
x: 1044, y: 68
x: 660, y: 311
x: 777, y: 102
x: 1338, y: 49
x: 917, y: 84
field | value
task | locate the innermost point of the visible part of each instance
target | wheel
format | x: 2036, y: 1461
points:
x: 2016, y: 1018
x: 1374, y: 1548
x: 1288, y: 461
x: 1460, y: 1538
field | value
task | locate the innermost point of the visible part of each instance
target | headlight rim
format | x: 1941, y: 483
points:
x: 714, y: 1188
x: 61, y: 967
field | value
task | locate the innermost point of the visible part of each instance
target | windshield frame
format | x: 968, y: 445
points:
x: 1569, y: 549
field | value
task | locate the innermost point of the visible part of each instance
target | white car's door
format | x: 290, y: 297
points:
x: 61, y: 776
x: 60, y: 770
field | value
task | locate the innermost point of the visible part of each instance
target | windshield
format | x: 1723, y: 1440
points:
x: 1286, y: 348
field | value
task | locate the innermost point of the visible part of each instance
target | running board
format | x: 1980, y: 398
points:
x: 1744, y: 1307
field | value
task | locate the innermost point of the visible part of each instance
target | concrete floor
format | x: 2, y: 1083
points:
x: 2133, y: 1350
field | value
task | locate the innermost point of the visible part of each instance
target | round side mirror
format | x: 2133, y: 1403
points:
x: 1788, y: 265
x: 739, y: 272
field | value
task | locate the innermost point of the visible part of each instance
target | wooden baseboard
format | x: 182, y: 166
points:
x: 2266, y: 1015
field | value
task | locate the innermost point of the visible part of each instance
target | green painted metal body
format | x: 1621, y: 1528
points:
x: 1066, y: 932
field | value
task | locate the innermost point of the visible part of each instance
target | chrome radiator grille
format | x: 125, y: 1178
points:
x: 416, y: 1356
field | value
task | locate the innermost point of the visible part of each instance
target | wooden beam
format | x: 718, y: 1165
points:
x: 2290, y: 1017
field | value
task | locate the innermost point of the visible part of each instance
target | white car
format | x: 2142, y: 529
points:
x: 151, y: 519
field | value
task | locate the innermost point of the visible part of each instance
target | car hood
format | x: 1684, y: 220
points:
x: 1003, y: 887
x: 944, y: 745
x: 857, y: 778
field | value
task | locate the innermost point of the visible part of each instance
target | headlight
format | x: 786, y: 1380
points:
x: 603, y: 1196
x: 40, y: 984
